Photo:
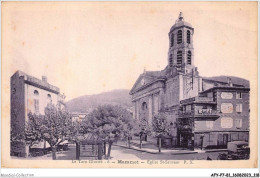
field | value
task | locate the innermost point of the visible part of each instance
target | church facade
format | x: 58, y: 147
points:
x: 167, y: 90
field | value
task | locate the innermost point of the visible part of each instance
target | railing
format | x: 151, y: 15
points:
x: 185, y: 113
x: 209, y: 99
x: 197, y: 99
x: 204, y: 111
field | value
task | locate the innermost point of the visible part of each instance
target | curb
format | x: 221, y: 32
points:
x: 157, y: 152
x: 192, y: 152
x: 139, y: 149
x: 207, y: 151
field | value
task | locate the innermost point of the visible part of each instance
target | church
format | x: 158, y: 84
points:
x: 196, y: 107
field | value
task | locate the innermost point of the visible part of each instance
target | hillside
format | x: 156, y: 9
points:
x: 235, y: 80
x: 88, y: 102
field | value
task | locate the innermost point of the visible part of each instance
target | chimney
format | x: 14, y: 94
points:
x: 229, y: 82
x: 44, y: 78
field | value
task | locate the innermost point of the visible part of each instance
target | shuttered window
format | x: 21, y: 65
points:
x: 239, y: 95
x: 238, y: 123
x: 36, y: 106
x: 189, y: 58
x: 188, y: 37
x: 179, y: 58
x: 172, y: 40
x: 179, y: 37
x: 239, y: 107
x: 170, y: 61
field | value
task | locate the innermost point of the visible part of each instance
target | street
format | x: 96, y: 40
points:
x: 124, y: 153
x: 118, y: 152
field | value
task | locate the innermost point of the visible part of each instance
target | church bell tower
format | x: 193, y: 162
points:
x: 180, y: 54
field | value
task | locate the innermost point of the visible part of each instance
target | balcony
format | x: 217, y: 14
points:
x: 201, y: 99
x: 198, y: 113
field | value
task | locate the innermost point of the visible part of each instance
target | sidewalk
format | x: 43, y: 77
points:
x: 150, y: 147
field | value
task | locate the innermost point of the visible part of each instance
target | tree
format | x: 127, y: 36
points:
x: 109, y: 123
x: 142, y: 128
x: 33, y: 132
x: 54, y: 127
x: 160, y: 126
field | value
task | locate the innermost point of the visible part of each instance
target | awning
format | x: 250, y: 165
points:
x: 41, y: 145
x: 64, y: 142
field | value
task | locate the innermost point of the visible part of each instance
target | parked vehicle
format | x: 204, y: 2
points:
x: 237, y: 150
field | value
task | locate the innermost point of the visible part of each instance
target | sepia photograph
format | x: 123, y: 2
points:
x: 129, y: 85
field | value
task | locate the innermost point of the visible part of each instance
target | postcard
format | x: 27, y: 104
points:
x: 129, y: 84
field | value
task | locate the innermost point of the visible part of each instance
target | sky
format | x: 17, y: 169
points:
x: 87, y: 48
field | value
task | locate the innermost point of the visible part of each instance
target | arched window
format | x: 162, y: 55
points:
x: 188, y: 36
x: 170, y: 61
x: 36, y: 102
x: 49, y: 98
x: 179, y: 58
x: 172, y: 40
x: 36, y: 92
x: 144, y: 106
x: 189, y: 57
x: 179, y: 37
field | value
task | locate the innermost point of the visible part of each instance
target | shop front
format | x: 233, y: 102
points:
x: 217, y: 139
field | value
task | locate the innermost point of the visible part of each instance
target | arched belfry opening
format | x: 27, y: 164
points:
x: 181, y: 45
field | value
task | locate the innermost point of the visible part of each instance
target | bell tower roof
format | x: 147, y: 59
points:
x: 181, y: 23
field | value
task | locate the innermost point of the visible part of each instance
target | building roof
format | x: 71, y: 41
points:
x: 37, y: 82
x: 152, y: 75
x: 180, y: 23
x: 89, y: 138
x: 236, y: 81
x: 226, y: 88
x: 198, y: 100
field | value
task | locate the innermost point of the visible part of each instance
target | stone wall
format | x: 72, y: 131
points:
x: 17, y: 114
x: 171, y: 96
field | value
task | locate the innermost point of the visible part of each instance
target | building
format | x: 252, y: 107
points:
x: 29, y: 94
x: 77, y: 117
x: 171, y: 89
x: 214, y: 118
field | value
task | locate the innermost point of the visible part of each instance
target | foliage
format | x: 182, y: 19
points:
x: 184, y: 124
x: 106, y: 120
x: 160, y: 125
x: 53, y: 127
x: 142, y: 126
x: 33, y: 132
x: 17, y: 132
